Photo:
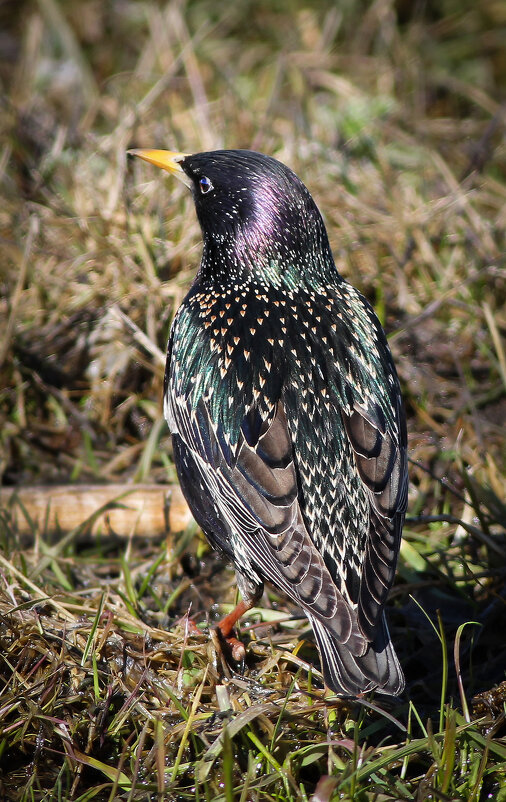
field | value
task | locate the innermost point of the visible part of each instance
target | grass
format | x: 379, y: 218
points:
x: 393, y: 114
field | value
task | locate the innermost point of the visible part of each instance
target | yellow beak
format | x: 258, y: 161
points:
x: 167, y: 160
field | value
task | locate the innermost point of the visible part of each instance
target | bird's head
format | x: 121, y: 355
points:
x: 255, y: 213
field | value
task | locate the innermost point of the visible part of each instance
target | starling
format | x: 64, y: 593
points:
x: 287, y: 421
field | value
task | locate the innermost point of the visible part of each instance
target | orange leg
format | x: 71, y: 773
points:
x: 189, y: 625
x: 225, y: 629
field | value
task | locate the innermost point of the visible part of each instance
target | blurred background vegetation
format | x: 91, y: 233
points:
x: 394, y: 115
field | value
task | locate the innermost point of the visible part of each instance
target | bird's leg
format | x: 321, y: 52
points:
x: 251, y: 593
x: 225, y: 628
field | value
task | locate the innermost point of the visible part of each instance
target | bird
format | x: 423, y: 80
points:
x: 287, y: 421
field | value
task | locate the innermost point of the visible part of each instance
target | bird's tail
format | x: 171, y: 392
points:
x: 350, y: 675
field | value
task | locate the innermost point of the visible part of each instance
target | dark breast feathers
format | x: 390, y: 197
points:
x: 290, y: 443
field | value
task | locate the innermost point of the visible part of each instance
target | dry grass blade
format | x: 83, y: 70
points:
x: 16, y: 295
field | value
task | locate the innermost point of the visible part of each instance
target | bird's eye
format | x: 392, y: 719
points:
x: 205, y: 185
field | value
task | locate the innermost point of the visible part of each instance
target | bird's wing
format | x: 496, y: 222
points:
x: 253, y: 511
x: 380, y: 454
x: 349, y: 435
x: 376, y: 428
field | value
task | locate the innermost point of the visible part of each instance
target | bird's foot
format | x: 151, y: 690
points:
x: 225, y: 630
x: 189, y: 625
x: 236, y: 647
